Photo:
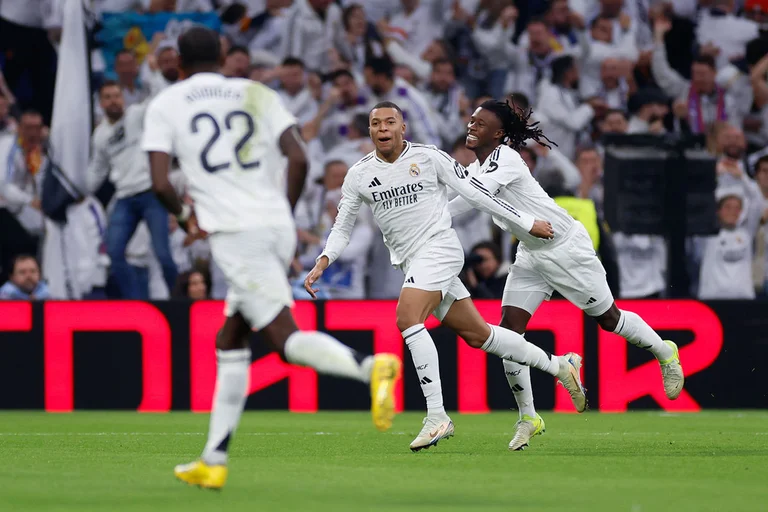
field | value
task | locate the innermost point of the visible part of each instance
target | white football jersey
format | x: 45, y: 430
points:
x: 507, y: 176
x: 726, y: 266
x: 409, y: 200
x: 226, y: 135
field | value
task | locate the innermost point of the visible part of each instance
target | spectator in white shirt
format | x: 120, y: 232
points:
x: 565, y: 118
x: 360, y: 38
x: 700, y: 101
x: 590, y: 165
x: 356, y: 144
x: 642, y: 265
x: 532, y: 64
x: 237, y: 63
x: 492, y: 36
x: 294, y: 91
x: 308, y: 33
x: 628, y: 16
x: 416, y: 25
x: 613, y: 87
x: 444, y: 94
x: 348, y: 280
x: 23, y: 175
x: 116, y: 152
x: 731, y: 147
x: 648, y: 109
x: 127, y: 72
x: 195, y: 284
x: 565, y: 26
x: 726, y: 264
x: 126, y: 69
x: 343, y: 101
x: 160, y: 68
x: 727, y: 32
x: 614, y: 122
x: 380, y: 78
x: 602, y: 46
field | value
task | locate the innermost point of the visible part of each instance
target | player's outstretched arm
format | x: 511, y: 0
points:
x: 341, y: 231
x: 454, y: 175
x: 292, y: 146
x: 458, y: 205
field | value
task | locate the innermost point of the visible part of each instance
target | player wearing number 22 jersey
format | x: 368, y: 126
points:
x: 234, y: 139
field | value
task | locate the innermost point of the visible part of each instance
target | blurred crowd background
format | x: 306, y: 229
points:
x: 588, y: 68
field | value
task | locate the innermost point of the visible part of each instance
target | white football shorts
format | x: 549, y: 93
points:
x: 571, y: 267
x: 255, y: 264
x: 436, y: 267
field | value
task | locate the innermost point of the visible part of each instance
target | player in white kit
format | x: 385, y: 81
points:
x: 405, y: 186
x: 232, y: 137
x: 568, y: 264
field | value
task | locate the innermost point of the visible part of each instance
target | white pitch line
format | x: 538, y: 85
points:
x: 304, y: 434
x: 97, y: 434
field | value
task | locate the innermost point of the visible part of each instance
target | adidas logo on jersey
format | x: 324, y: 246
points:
x: 410, y: 280
x: 375, y: 182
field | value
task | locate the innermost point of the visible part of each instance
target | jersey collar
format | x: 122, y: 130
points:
x: 407, y: 148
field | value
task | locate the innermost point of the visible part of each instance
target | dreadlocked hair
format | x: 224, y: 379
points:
x: 516, y: 126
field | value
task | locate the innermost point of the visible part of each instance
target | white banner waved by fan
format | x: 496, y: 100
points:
x: 70, y: 141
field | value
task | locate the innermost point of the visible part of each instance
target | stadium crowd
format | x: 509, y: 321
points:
x: 586, y: 67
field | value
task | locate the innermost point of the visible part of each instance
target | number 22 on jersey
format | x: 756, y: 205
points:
x: 233, y: 121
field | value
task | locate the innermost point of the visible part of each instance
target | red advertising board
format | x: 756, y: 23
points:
x: 177, y: 369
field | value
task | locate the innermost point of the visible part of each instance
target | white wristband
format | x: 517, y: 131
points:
x: 186, y: 213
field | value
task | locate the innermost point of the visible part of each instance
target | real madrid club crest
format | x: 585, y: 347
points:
x: 414, y: 170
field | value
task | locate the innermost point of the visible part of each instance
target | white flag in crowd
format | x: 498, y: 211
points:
x: 70, y: 139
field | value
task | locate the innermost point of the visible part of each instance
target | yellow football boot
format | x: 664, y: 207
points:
x: 386, y: 370
x: 202, y: 475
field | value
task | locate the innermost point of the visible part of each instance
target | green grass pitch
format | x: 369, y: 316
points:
x: 637, y: 462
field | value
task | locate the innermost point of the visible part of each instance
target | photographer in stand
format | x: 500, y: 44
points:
x: 484, y: 275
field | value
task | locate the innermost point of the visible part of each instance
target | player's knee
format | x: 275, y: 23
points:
x: 477, y: 336
x: 405, y: 317
x: 510, y: 322
x: 473, y: 340
x: 610, y: 319
x: 224, y: 341
x: 405, y: 321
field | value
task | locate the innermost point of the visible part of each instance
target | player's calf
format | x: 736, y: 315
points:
x: 637, y: 332
x: 464, y: 319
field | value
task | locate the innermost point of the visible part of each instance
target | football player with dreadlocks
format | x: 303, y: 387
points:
x: 567, y: 263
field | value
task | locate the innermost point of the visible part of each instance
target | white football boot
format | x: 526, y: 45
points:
x: 525, y: 428
x: 570, y: 366
x: 672, y: 373
x: 435, y: 429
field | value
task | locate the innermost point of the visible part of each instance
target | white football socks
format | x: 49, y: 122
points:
x: 327, y: 355
x: 228, y: 402
x: 511, y: 346
x: 519, y: 379
x: 634, y: 329
x: 424, y: 355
